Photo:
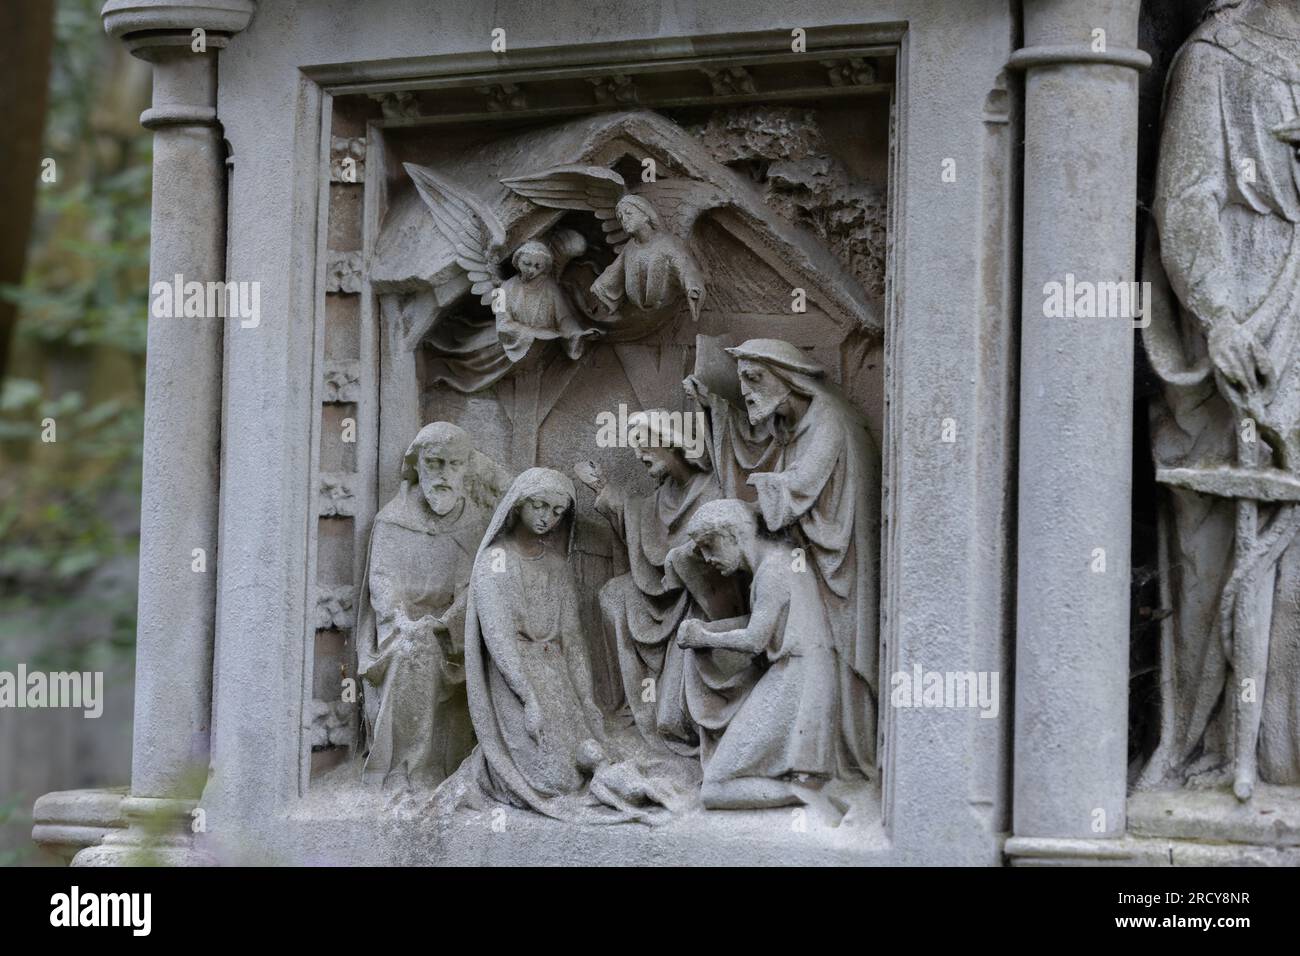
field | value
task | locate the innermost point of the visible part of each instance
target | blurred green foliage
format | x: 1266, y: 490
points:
x: 13, y: 814
x: 69, y: 506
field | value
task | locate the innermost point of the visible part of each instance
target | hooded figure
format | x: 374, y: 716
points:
x: 1223, y: 257
x: 665, y: 583
x: 528, y: 667
x: 410, y: 630
x: 804, y: 456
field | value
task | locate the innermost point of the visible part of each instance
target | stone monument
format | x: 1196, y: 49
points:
x: 847, y: 575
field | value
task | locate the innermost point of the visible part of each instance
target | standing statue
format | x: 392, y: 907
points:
x: 771, y: 729
x: 805, y: 456
x: 643, y: 608
x: 1224, y: 262
x: 654, y: 270
x: 542, y: 737
x: 528, y: 307
x: 411, y: 627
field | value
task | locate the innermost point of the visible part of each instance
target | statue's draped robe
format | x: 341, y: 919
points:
x: 642, y: 612
x: 417, y: 718
x: 524, y: 637
x: 1226, y: 244
x: 649, y: 276
x: 471, y: 353
x: 824, y: 487
x: 779, y: 716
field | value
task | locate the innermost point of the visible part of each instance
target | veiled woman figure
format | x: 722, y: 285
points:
x: 527, y: 664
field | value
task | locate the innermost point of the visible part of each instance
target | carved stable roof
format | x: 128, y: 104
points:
x: 410, y: 254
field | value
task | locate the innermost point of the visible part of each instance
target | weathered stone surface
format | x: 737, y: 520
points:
x: 1224, y: 260
x: 522, y: 248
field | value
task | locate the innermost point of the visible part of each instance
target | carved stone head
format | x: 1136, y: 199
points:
x: 636, y: 215
x: 532, y: 259
x: 667, y: 443
x: 440, y: 456
x: 542, y: 511
x: 763, y: 391
x: 768, y: 369
x: 723, y: 532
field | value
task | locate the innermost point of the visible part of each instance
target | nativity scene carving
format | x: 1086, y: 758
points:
x: 694, y: 623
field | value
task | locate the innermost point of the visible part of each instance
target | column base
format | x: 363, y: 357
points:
x: 1183, y: 828
x: 158, y: 834
x: 66, y: 822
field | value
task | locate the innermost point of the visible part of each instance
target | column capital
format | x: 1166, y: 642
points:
x: 145, y: 26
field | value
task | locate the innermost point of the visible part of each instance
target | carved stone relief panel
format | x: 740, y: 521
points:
x: 655, y: 335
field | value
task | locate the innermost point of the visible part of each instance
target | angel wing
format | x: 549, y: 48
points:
x: 593, y: 189
x: 680, y: 202
x: 472, y: 231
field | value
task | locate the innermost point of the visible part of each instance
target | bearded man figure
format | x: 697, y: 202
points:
x: 805, y: 457
x: 411, y: 628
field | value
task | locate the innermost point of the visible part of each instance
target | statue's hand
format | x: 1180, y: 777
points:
x: 681, y: 554
x: 589, y: 473
x: 694, y: 299
x: 1239, y: 356
x: 695, y: 389
x: 689, y: 634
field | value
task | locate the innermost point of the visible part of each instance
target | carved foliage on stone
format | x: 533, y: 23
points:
x: 342, y: 382
x: 731, y: 81
x: 503, y: 97
x: 343, y: 272
x: 336, y: 497
x: 347, y: 159
x: 783, y: 149
x: 335, y: 606
x: 851, y: 72
x: 333, y: 724
x: 616, y: 90
x: 400, y: 105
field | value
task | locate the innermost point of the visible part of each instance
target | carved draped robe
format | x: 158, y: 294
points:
x: 778, y: 717
x: 823, y: 487
x: 417, y: 718
x: 1227, y: 244
x: 650, y: 276
x: 471, y: 353
x: 642, y: 612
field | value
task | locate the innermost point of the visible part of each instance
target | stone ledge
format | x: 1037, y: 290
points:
x: 124, y: 17
x: 67, y: 821
x: 1271, y: 818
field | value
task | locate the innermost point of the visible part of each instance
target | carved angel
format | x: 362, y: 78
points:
x: 530, y: 305
x: 655, y: 269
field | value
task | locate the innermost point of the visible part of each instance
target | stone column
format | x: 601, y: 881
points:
x: 182, y: 425
x: 1076, y: 410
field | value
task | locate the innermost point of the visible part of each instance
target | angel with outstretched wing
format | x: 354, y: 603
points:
x: 654, y: 270
x: 528, y: 306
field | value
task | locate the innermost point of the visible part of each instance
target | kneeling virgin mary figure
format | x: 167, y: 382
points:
x: 527, y: 665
